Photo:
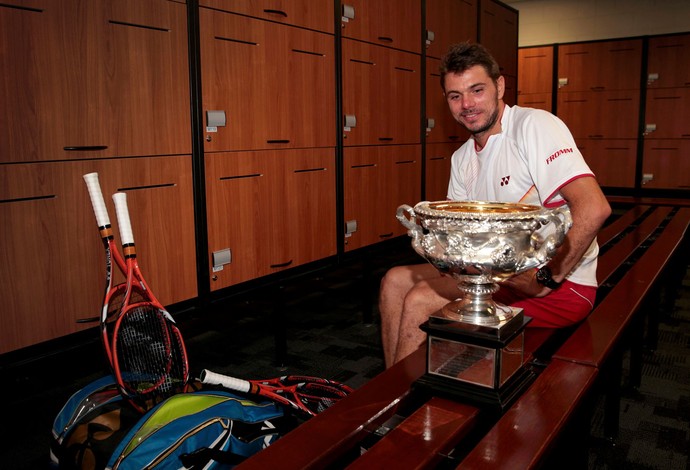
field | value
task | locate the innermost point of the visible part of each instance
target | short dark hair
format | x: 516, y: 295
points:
x: 463, y: 56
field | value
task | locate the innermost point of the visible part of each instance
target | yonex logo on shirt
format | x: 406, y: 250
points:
x: 557, y: 154
x: 505, y: 180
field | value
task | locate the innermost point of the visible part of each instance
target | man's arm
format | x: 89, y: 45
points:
x: 589, y: 210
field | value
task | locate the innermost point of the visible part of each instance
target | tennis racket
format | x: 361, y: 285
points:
x: 113, y: 296
x: 149, y: 355
x: 310, y: 395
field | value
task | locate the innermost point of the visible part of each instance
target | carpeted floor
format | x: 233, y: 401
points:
x: 328, y: 335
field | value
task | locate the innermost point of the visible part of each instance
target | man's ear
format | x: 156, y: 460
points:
x: 500, y: 86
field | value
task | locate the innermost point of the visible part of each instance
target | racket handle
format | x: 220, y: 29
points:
x: 97, y: 201
x: 226, y: 381
x: 123, y: 222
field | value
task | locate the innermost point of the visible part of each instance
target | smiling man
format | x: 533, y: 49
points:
x: 515, y: 154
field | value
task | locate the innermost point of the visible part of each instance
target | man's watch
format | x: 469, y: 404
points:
x: 545, y: 278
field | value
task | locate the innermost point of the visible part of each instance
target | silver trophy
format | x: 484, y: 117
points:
x: 473, y: 341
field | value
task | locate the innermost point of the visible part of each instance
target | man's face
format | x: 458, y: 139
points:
x: 473, y: 98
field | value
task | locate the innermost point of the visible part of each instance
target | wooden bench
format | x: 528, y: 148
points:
x: 589, y: 347
x: 613, y: 325
x: 528, y: 430
x: 419, y: 432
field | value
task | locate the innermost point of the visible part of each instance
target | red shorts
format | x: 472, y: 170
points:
x: 564, y: 306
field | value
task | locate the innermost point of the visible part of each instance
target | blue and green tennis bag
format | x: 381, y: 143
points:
x: 206, y: 428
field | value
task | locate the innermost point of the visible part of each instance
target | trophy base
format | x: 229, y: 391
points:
x: 493, y: 400
x: 480, y: 364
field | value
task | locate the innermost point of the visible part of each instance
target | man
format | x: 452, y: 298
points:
x: 514, y: 155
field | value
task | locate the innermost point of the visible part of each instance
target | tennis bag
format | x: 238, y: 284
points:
x: 202, y: 429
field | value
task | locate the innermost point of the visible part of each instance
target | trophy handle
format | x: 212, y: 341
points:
x: 413, y: 229
x: 562, y: 220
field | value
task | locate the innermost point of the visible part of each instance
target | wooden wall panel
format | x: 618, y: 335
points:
x: 668, y: 110
x: 498, y: 31
x: 273, y: 209
x: 377, y: 180
x: 391, y: 23
x: 598, y: 66
x: 603, y: 115
x: 438, y: 160
x: 97, y: 79
x: 612, y: 161
x: 311, y: 14
x: 667, y: 164
x: 451, y: 22
x: 53, y: 259
x: 275, y: 83
x: 535, y: 77
x: 381, y: 88
x: 669, y: 60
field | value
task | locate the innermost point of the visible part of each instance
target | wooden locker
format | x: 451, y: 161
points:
x: 381, y: 89
x: 536, y: 100
x: 449, y: 22
x: 598, y: 66
x: 54, y: 262
x: 275, y: 84
x: 273, y: 210
x: 498, y: 32
x: 77, y: 88
x: 377, y: 180
x: 438, y: 160
x: 391, y: 23
x: 510, y: 93
x: 311, y: 14
x: 668, y: 61
x: 535, y: 70
x: 600, y: 115
x: 666, y: 164
x: 445, y: 128
x: 612, y: 161
x: 667, y: 115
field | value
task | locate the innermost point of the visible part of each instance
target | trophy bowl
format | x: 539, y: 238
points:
x: 482, y: 243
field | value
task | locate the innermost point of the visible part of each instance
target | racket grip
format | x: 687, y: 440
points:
x: 226, y: 381
x: 123, y: 222
x: 97, y: 201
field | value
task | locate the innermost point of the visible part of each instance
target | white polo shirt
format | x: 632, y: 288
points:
x: 532, y: 157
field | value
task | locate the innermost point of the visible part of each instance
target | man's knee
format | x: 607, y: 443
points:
x: 395, y: 279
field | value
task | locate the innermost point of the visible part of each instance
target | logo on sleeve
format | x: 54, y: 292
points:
x: 505, y: 180
x: 557, y: 154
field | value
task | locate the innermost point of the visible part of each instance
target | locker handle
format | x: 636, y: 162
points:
x: 386, y: 139
x: 385, y: 39
x: 281, y: 265
x: 453, y: 137
x: 276, y: 12
x: 83, y: 148
x: 278, y: 141
x: 386, y: 235
x: 596, y: 136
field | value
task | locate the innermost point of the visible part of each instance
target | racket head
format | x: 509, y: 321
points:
x: 149, y: 356
x: 309, y: 395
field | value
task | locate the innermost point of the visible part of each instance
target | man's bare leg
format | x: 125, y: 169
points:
x: 395, y: 286
x: 425, y: 298
x: 408, y: 295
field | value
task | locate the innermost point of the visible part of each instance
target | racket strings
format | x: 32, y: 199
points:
x: 148, y: 354
x: 317, y: 397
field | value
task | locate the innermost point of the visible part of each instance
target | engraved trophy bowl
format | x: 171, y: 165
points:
x: 481, y: 244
